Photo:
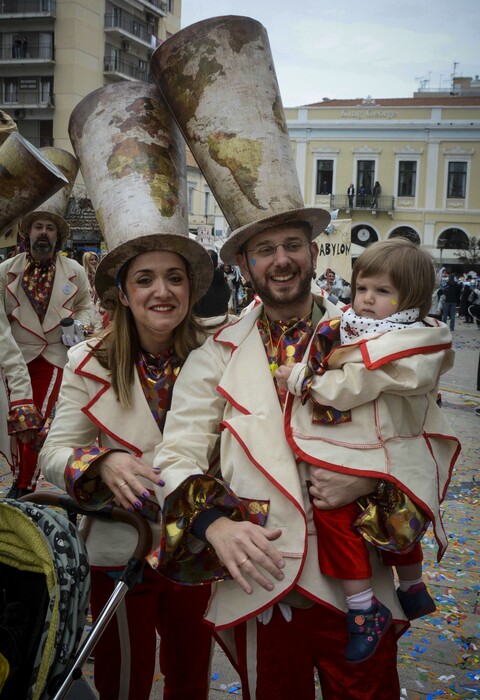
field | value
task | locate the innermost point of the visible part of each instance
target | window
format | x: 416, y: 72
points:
x: 46, y: 91
x: 171, y: 5
x: 207, y: 203
x: 407, y: 177
x: 365, y: 175
x: 324, y: 176
x: 11, y: 90
x: 457, y: 179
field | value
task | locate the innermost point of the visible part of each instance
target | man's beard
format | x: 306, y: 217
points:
x: 42, y: 247
x: 280, y: 298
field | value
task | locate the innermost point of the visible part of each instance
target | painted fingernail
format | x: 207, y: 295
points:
x: 145, y: 494
x: 157, y: 469
x: 161, y: 482
x: 130, y: 509
x: 138, y: 504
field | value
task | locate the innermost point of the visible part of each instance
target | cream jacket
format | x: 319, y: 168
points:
x: 396, y: 429
x: 226, y: 386
x: 13, y: 365
x: 88, y: 411
x: 70, y: 298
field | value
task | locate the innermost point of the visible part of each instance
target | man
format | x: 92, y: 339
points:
x: 251, y: 528
x: 37, y: 289
x: 227, y: 385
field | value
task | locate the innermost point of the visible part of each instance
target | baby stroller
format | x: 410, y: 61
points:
x: 44, y: 595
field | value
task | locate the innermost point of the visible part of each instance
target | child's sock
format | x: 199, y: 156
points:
x: 360, y: 601
x: 405, y: 585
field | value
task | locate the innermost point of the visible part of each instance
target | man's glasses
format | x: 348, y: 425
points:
x: 268, y: 251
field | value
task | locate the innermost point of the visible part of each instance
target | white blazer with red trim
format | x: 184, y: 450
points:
x: 390, y: 383
x: 88, y: 411
x: 70, y: 298
x: 226, y: 386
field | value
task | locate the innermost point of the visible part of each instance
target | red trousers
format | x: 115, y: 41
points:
x: 277, y: 660
x: 126, y: 652
x: 46, y: 380
x: 342, y: 552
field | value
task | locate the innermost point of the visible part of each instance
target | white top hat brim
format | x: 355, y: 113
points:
x: 318, y: 218
x: 106, y: 282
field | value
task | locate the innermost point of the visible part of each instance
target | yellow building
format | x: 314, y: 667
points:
x: 423, y: 151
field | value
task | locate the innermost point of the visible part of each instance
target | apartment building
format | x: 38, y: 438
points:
x: 54, y: 52
x: 424, y: 152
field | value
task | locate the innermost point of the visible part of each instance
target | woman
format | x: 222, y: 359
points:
x: 117, y: 388
x: 90, y: 264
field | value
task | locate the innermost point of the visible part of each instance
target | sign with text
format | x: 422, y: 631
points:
x: 334, y: 249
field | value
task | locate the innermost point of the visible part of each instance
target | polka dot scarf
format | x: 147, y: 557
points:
x: 353, y: 326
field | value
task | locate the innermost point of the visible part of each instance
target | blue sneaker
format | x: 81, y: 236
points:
x: 365, y: 629
x: 416, y: 602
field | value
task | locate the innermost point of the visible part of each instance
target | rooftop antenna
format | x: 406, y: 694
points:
x: 455, y: 64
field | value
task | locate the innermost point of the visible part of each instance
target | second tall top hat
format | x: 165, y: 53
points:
x: 132, y: 158
x: 219, y: 80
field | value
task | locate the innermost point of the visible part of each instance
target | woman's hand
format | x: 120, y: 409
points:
x: 120, y: 472
x: 332, y: 490
x: 247, y: 549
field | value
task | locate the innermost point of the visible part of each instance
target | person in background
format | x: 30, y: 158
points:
x: 117, y: 389
x: 451, y: 291
x: 351, y: 195
x: 464, y: 299
x: 215, y: 301
x: 237, y: 290
x: 90, y: 264
x: 354, y: 401
x: 38, y: 288
x: 377, y: 191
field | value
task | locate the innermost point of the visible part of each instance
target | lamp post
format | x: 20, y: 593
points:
x: 441, y: 244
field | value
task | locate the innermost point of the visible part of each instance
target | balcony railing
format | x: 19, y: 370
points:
x: 160, y: 5
x: 26, y: 52
x: 125, y: 68
x: 342, y: 201
x: 27, y: 7
x: 128, y: 24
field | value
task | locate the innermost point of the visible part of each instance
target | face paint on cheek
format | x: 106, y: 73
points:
x: 394, y: 302
x: 253, y: 261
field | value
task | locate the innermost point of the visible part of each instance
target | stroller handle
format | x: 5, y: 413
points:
x: 116, y: 513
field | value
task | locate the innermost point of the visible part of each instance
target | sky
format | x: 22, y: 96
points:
x: 359, y: 48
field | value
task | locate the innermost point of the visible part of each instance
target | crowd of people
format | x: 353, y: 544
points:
x: 457, y: 297
x: 241, y: 407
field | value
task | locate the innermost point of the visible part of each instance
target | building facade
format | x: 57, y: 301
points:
x: 54, y: 52
x: 422, y: 151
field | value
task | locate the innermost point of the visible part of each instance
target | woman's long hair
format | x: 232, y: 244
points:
x: 118, y: 347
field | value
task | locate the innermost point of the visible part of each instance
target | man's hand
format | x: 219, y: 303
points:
x: 332, y: 490
x: 70, y: 341
x: 281, y: 375
x: 246, y: 549
x: 27, y: 435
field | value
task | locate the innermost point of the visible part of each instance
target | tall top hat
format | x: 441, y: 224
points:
x: 27, y: 178
x: 55, y: 207
x: 132, y: 158
x: 219, y: 80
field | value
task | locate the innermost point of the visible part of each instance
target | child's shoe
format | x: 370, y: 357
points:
x: 416, y: 602
x: 365, y: 629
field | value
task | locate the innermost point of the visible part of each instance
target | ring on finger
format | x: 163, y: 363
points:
x: 243, y: 561
x: 124, y: 483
